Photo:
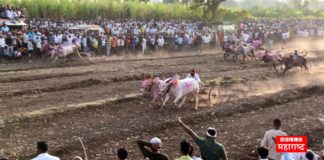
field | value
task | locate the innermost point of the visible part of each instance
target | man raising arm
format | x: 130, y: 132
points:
x: 209, y: 148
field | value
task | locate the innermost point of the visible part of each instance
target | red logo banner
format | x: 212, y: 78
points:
x: 291, y: 143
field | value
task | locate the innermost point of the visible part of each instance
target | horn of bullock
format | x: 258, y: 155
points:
x: 163, y: 78
x: 305, y: 54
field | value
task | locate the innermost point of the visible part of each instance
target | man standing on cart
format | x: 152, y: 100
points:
x: 193, y: 74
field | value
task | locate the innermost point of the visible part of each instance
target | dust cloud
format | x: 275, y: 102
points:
x: 295, y: 77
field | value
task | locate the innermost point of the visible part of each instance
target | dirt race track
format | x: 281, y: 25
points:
x: 100, y: 103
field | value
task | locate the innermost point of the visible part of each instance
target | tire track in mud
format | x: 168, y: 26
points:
x: 110, y: 61
x: 131, y: 127
x: 61, y: 75
x: 250, y: 105
x: 68, y: 86
x: 82, y: 84
x: 43, y: 77
x: 101, y: 61
x: 93, y: 71
x: 92, y: 82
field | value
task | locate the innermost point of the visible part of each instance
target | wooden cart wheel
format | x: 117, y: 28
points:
x: 213, y: 96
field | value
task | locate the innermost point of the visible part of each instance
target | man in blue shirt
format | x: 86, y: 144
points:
x: 5, y: 28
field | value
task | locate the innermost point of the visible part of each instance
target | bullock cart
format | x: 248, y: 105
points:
x: 211, y: 93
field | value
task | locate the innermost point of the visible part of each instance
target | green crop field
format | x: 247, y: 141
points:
x: 117, y: 9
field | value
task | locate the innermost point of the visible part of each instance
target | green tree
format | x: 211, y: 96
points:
x: 300, y: 4
x: 209, y: 6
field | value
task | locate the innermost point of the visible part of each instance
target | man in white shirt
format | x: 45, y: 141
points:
x: 195, y: 76
x: 2, y: 44
x: 268, y: 140
x: 42, y: 148
x: 245, y: 37
x: 56, y: 39
x: 60, y: 37
x: 143, y: 43
x: 309, y: 155
x: 10, y: 14
x: 160, y: 41
x: 70, y: 39
x: 38, y: 42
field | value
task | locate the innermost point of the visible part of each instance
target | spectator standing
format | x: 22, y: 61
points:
x: 209, y: 148
x: 122, y: 154
x: 102, y: 40
x: 268, y: 140
x: 108, y: 45
x: 309, y: 155
x: 95, y: 44
x: 185, y: 148
x: 10, y: 14
x: 38, y: 49
x: 143, y: 43
x: 155, y: 145
x: 114, y: 45
x: 25, y: 39
x: 2, y: 44
x: 85, y: 44
x: 5, y: 28
x: 56, y: 39
x: 160, y: 42
x: 30, y: 47
x: 263, y: 153
x: 69, y: 39
x: 192, y: 156
x: 42, y: 149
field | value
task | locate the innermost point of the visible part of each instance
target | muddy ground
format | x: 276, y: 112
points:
x: 100, y: 102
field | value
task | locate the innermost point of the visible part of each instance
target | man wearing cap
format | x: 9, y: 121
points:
x: 209, y: 148
x: 155, y: 145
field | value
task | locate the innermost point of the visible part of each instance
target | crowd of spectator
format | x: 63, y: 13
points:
x: 210, y: 149
x: 146, y: 36
x: 271, y: 31
x: 11, y: 12
x: 117, y: 36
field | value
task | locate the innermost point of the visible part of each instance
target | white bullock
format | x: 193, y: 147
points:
x: 64, y: 51
x: 246, y: 50
x: 179, y: 89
